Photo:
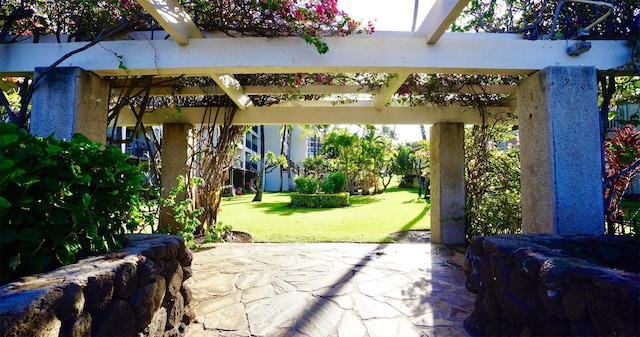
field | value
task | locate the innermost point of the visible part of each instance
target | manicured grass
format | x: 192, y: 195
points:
x: 369, y: 218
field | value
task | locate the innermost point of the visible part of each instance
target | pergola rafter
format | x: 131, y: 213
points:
x: 308, y: 90
x: 440, y: 17
x: 327, y: 113
x: 173, y: 18
x: 177, y: 22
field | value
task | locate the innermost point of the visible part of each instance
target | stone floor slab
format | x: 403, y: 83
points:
x: 333, y: 290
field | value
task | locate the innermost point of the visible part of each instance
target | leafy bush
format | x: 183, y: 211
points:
x: 320, y: 200
x: 334, y: 183
x: 492, y: 196
x: 185, y: 216
x: 307, y: 185
x: 60, y: 200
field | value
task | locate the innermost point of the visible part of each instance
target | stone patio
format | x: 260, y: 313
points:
x: 328, y: 290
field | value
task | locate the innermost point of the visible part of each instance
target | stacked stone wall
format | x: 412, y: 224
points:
x: 554, y: 285
x: 136, y: 291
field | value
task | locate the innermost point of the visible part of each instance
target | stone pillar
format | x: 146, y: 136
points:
x: 69, y: 100
x: 560, y: 152
x: 175, y: 150
x: 447, y: 183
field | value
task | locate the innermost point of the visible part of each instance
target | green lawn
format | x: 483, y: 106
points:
x: 369, y: 218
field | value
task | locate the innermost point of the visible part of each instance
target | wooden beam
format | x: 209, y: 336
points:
x: 173, y: 18
x: 387, y: 91
x: 439, y: 19
x: 462, y: 53
x: 326, y: 115
x: 308, y: 90
x: 233, y: 89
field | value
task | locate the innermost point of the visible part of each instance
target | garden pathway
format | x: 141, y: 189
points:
x: 331, y: 289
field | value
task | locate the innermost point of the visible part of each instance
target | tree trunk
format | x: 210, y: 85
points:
x: 289, y: 161
x: 261, y: 168
x: 423, y: 131
x: 282, y: 142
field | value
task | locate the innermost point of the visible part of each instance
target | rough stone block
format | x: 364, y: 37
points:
x: 173, y: 274
x: 175, y: 311
x: 98, y: 292
x: 71, y: 305
x: 147, y: 271
x: 125, y: 280
x: 158, y: 323
x: 185, y: 291
x: 116, y: 320
x: 81, y: 327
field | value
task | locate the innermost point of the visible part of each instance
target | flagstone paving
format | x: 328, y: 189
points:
x: 335, y: 289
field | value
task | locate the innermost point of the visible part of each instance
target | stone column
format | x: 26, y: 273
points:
x: 447, y: 183
x: 69, y: 100
x: 175, y: 150
x: 561, y: 152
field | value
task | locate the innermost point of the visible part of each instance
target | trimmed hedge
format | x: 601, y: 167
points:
x: 320, y: 200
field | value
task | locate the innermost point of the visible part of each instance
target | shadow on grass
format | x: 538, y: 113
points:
x: 356, y: 200
x: 283, y: 208
x: 411, y: 223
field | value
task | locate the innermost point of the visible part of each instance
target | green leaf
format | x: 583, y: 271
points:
x: 30, y: 235
x: 7, y: 236
x: 51, y: 183
x: 4, y: 203
x: 15, y: 262
x: 41, y: 261
x: 86, y: 200
x: 8, y: 139
x: 6, y: 164
x: 53, y: 149
x: 92, y: 229
x: 58, y: 217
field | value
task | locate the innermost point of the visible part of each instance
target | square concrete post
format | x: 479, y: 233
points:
x: 447, y: 183
x: 560, y: 152
x: 69, y: 100
x: 176, y: 138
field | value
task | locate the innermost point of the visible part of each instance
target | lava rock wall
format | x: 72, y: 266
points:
x: 554, y: 285
x: 136, y: 291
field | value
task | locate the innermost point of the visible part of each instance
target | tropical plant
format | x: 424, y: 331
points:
x: 270, y: 162
x: 84, y: 20
x: 340, y: 148
x: 315, y: 165
x: 60, y: 200
x: 185, y: 215
x: 552, y: 19
x: 622, y: 155
x: 492, y: 193
x: 334, y: 183
x: 307, y: 185
x: 405, y: 164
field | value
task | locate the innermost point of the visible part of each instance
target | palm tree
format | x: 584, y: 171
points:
x: 261, y: 167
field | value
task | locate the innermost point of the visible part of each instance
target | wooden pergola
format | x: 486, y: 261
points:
x: 190, y: 52
x: 560, y: 95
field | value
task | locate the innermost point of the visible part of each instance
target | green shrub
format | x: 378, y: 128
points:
x: 337, y: 180
x: 320, y: 200
x: 327, y: 186
x: 307, y: 185
x: 60, y: 200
